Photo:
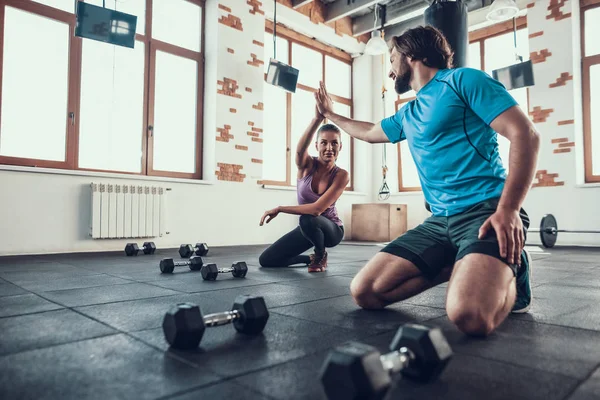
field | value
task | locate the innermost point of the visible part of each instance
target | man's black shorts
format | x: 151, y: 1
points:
x: 441, y: 241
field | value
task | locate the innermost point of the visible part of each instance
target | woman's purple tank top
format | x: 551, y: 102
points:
x: 306, y: 194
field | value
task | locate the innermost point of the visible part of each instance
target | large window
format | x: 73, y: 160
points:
x: 290, y: 113
x: 74, y: 103
x: 590, y: 31
x: 489, y: 49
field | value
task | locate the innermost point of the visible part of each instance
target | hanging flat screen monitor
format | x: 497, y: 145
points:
x: 515, y: 76
x: 282, y: 75
x: 105, y: 25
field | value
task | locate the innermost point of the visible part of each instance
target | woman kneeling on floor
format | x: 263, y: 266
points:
x: 320, y: 184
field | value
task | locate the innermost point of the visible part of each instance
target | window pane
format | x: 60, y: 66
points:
x: 410, y: 177
x: 310, y: 64
x: 175, y: 106
x: 592, y: 32
x: 343, y: 160
x: 134, y: 7
x: 177, y: 22
x: 275, y: 134
x: 338, y: 77
x: 34, y: 87
x: 65, y: 5
x: 500, y: 50
x: 474, y: 59
x: 282, y: 50
x: 112, y: 107
x: 303, y: 111
x: 595, y: 105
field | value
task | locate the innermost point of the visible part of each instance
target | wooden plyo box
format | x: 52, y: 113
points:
x: 378, y: 222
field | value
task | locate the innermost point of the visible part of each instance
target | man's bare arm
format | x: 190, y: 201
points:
x: 361, y: 130
x: 365, y: 131
x: 524, y: 146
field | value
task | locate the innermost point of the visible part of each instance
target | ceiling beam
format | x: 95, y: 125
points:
x: 476, y: 17
x: 300, y: 3
x: 344, y: 8
x: 398, y: 29
x: 393, y: 15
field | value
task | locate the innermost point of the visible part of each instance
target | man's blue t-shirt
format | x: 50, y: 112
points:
x: 447, y: 128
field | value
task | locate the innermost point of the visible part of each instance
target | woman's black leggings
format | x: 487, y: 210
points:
x: 319, y: 232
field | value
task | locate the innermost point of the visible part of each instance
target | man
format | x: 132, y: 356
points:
x: 476, y: 235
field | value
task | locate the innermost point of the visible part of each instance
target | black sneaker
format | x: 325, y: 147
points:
x: 524, y: 296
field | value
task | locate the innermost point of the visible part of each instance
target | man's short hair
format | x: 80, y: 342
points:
x: 426, y: 44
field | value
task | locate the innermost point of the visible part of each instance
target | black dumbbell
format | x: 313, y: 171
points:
x: 186, y: 250
x: 209, y: 272
x: 358, y: 371
x: 184, y: 324
x: 132, y: 249
x: 167, y: 265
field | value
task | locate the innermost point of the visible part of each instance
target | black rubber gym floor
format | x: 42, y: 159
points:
x: 89, y: 326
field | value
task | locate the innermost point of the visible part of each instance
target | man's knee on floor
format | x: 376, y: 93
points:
x: 364, y: 294
x: 471, y: 319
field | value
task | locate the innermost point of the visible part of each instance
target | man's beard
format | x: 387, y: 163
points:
x: 402, y: 81
x: 402, y: 84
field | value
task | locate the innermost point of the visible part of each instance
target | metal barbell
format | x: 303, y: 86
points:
x: 549, y: 230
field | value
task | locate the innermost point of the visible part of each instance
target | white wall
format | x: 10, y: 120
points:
x: 48, y: 211
x: 573, y: 203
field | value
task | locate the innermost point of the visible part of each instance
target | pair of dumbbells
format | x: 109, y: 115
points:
x: 187, y: 250
x: 358, y: 371
x: 184, y: 325
x: 132, y: 249
x: 209, y: 272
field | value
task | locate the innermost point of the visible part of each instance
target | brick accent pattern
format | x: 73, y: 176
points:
x: 256, y: 7
x: 255, y: 139
x: 255, y: 61
x: 539, y: 56
x: 566, y: 122
x: 257, y: 161
x: 545, y: 179
x: 531, y: 5
x: 232, y: 110
x: 256, y: 42
x: 230, y: 51
x: 240, y: 147
x: 224, y: 134
x: 539, y: 114
x: 230, y: 172
x: 259, y: 106
x: 562, y: 80
x: 224, y: 8
x: 555, y: 12
x: 535, y: 34
x: 254, y: 132
x: 564, y: 146
x: 231, y: 21
x: 229, y: 88
x: 249, y: 90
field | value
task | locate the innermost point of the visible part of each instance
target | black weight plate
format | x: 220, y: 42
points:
x: 547, y: 237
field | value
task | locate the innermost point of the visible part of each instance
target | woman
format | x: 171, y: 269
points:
x: 320, y: 185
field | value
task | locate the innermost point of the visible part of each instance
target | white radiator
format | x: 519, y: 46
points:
x: 127, y: 211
